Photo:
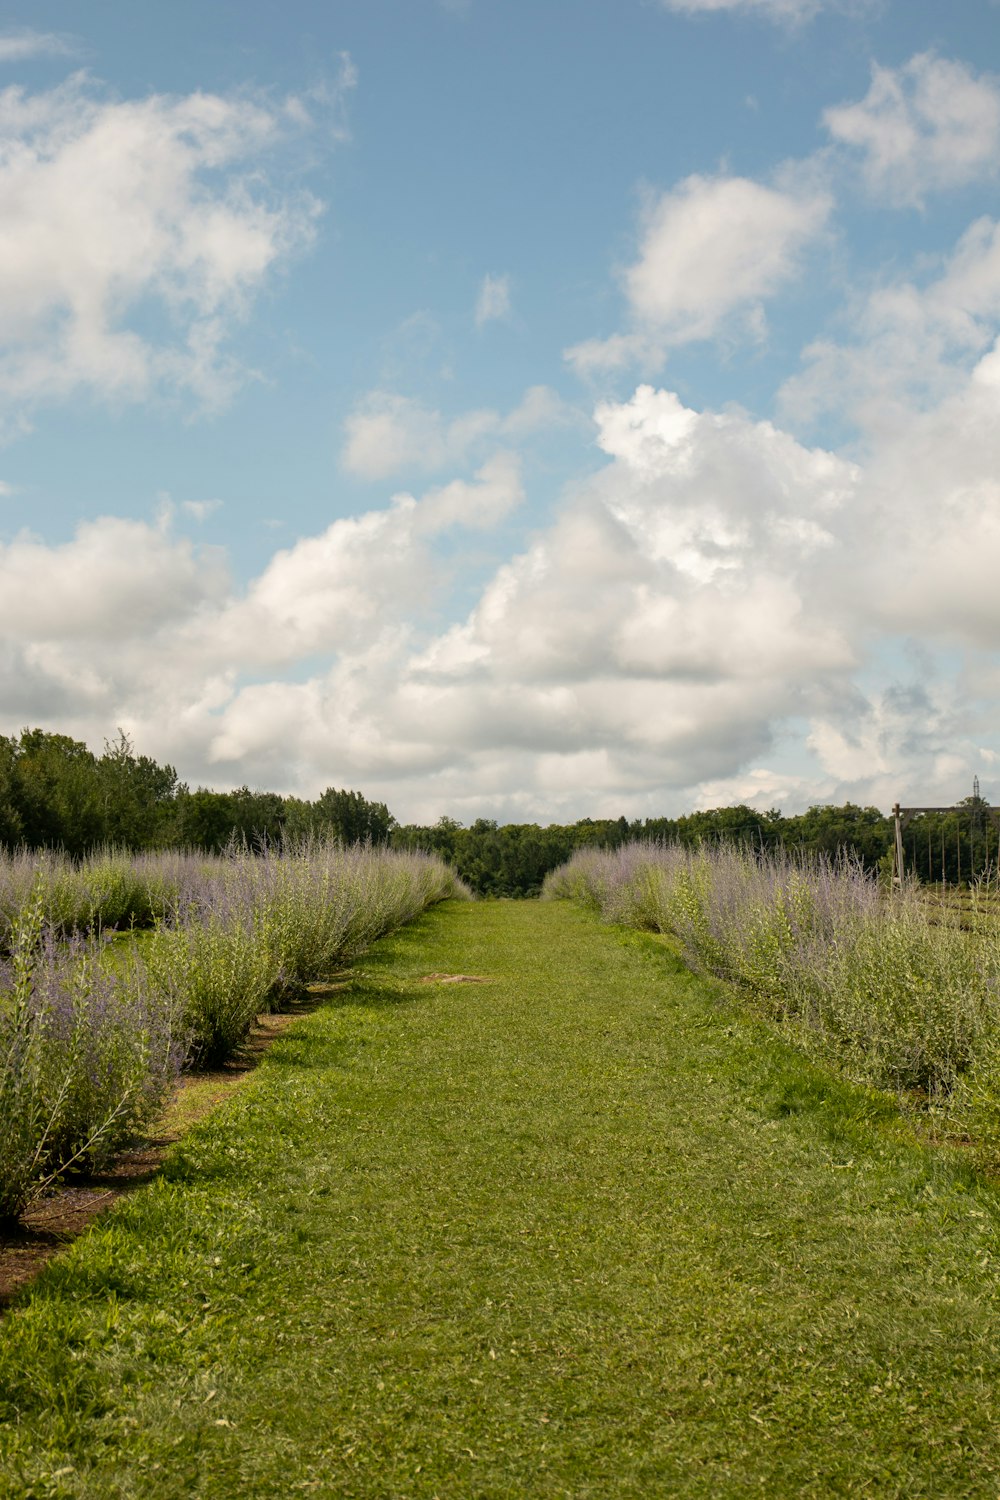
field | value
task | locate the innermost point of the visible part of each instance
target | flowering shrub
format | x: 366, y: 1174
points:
x: 898, y: 997
x: 260, y: 926
x: 109, y: 889
x: 91, y: 1040
x: 86, y: 1058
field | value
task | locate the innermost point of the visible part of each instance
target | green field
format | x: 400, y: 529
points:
x: 583, y: 1229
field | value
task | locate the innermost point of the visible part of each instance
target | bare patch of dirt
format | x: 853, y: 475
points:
x: 65, y: 1212
x: 453, y: 979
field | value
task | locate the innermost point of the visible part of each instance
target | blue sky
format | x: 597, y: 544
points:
x: 529, y: 410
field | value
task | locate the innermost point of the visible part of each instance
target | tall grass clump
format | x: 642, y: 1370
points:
x: 87, y: 1056
x: 859, y: 973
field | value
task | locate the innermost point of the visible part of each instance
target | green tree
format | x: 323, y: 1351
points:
x: 58, y: 793
x: 351, y: 818
x: 204, y: 819
x: 258, y: 817
x: 863, y: 832
x: 11, y: 826
x: 136, y: 795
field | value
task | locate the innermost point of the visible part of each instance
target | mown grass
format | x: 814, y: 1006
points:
x: 584, y: 1230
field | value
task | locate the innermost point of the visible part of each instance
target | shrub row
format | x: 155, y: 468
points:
x: 93, y: 1033
x: 868, y: 977
x: 108, y: 889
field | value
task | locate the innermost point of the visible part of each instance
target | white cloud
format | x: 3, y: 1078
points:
x: 493, y: 302
x: 935, y: 488
x: 489, y: 499
x: 18, y: 46
x: 776, y: 10
x: 711, y: 589
x: 712, y: 251
x: 388, y: 433
x: 200, y: 510
x: 108, y: 207
x: 115, y: 578
x: 652, y: 636
x: 929, y: 125
x: 714, y: 245
x: 618, y: 352
x: 913, y: 344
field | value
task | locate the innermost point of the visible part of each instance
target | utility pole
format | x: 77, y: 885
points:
x: 897, y: 853
x: 975, y: 827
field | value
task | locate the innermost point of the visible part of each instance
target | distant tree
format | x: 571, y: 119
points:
x: 440, y: 838
x: 258, y: 817
x: 734, y: 825
x: 297, y: 818
x: 136, y: 795
x: 863, y: 832
x: 57, y: 792
x: 204, y: 819
x: 11, y: 826
x: 351, y: 818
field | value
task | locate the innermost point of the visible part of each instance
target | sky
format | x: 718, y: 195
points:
x: 525, y: 409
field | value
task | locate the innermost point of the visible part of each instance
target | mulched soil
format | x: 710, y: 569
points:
x: 55, y: 1220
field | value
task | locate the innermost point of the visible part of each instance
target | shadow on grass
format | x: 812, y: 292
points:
x: 374, y: 996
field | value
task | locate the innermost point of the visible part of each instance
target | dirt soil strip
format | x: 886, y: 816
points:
x: 453, y: 979
x: 66, y: 1211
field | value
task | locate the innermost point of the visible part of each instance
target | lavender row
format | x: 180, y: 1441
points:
x: 109, y: 889
x: 94, y: 1031
x: 873, y: 979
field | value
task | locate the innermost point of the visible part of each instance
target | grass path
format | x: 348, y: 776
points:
x: 583, y: 1230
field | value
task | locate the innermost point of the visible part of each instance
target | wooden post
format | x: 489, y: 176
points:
x: 897, y: 860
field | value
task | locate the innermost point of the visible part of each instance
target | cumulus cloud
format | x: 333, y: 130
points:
x: 936, y: 512
x: 110, y: 207
x: 388, y: 432
x: 620, y: 351
x: 493, y: 302
x: 480, y: 504
x: 712, y: 592
x: 659, y: 624
x: 712, y: 250
x: 929, y: 125
x: 200, y: 510
x: 116, y: 576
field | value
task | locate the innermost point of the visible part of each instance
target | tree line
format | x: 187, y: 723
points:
x: 55, y: 792
x: 512, y: 859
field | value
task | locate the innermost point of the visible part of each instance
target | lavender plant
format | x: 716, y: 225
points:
x: 859, y: 974
x: 90, y: 1044
x: 110, y: 888
x: 258, y: 926
x: 87, y: 1056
